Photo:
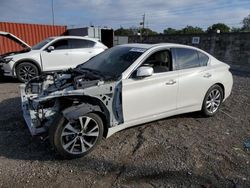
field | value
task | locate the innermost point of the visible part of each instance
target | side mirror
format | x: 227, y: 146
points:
x: 50, y: 48
x: 144, y: 71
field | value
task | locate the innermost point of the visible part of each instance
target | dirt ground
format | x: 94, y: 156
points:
x: 182, y: 151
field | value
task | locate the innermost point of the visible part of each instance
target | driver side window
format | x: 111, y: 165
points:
x: 61, y: 44
x: 160, y: 61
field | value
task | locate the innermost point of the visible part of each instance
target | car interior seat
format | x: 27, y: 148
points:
x: 162, y: 62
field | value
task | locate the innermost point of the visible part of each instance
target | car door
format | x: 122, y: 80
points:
x: 82, y: 50
x: 150, y: 96
x: 57, y: 59
x: 194, y: 77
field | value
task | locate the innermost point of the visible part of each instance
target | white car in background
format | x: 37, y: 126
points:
x: 122, y: 87
x: 51, y: 54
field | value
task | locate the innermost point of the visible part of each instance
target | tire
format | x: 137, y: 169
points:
x: 26, y: 71
x: 70, y: 140
x: 212, y: 101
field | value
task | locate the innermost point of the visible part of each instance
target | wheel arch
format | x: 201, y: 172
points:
x: 28, y: 60
x: 87, y: 105
x: 219, y: 84
x: 222, y: 87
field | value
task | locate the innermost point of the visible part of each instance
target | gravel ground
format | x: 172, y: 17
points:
x: 182, y: 151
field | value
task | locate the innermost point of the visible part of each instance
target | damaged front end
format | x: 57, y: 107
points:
x: 71, y: 93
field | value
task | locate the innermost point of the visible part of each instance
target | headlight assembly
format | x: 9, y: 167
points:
x: 7, y: 60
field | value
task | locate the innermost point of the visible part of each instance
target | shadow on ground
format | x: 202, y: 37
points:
x: 6, y: 79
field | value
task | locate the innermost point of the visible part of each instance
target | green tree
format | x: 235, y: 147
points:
x: 170, y: 31
x: 236, y: 29
x: 246, y: 23
x: 133, y: 31
x: 125, y: 32
x: 147, y: 31
x: 219, y: 26
x: 191, y: 30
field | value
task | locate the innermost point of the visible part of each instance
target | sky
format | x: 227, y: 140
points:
x: 159, y: 14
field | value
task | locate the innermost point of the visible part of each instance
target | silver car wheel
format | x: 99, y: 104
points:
x: 27, y: 72
x: 213, y: 101
x: 80, y: 136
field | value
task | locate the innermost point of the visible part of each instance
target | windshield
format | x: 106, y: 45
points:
x: 41, y: 44
x: 114, y: 61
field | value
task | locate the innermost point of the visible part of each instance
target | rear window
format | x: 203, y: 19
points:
x: 186, y: 58
x: 189, y: 58
x: 203, y: 58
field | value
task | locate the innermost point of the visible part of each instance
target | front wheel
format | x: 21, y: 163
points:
x: 26, y: 71
x: 76, y: 139
x: 212, y: 100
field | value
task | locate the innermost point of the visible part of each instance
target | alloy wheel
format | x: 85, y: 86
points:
x: 213, y: 101
x: 80, y: 136
x: 27, y: 72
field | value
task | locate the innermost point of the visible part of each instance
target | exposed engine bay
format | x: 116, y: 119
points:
x: 70, y: 92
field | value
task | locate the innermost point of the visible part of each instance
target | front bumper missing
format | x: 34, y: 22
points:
x: 1, y: 71
x: 28, y: 114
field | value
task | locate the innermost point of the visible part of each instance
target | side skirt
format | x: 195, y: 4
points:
x: 126, y: 125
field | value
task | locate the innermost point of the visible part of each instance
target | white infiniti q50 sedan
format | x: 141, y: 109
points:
x: 124, y: 86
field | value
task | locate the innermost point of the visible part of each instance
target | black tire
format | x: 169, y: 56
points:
x: 57, y: 140
x: 26, y: 71
x: 207, y: 106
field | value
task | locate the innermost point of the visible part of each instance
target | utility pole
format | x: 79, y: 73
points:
x: 142, y: 25
x: 52, y: 9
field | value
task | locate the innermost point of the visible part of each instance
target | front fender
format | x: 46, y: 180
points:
x: 31, y: 60
x: 74, y: 112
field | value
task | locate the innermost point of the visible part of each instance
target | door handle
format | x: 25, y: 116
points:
x: 66, y: 53
x: 207, y: 75
x: 170, y: 82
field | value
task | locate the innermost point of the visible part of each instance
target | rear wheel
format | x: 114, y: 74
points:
x: 26, y: 71
x: 212, y: 100
x: 76, y: 139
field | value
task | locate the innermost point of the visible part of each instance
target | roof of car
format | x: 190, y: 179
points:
x: 75, y: 37
x: 137, y: 45
x: 148, y: 46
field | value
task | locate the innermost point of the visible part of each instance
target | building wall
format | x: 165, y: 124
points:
x: 105, y: 35
x: 120, y: 40
x: 232, y: 48
x: 30, y: 33
x: 78, y: 31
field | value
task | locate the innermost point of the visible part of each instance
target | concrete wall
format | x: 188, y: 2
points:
x: 232, y: 48
x: 120, y: 40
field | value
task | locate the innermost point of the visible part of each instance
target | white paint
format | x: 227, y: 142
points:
x: 60, y: 59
